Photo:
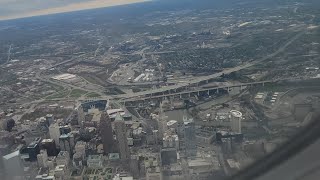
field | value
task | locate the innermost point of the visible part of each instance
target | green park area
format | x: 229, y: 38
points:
x: 76, y: 93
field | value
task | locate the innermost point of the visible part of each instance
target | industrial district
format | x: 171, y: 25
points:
x: 161, y: 94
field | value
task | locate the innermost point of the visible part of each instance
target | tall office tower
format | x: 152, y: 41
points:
x: 134, y: 166
x: 50, y: 146
x: 236, y: 117
x: 54, y: 132
x: 162, y: 123
x: 190, y: 137
x: 67, y: 142
x: 106, y: 132
x: 81, y: 116
x: 42, y: 159
x: 33, y: 150
x: 121, y: 133
x: 63, y: 158
x: 50, y: 118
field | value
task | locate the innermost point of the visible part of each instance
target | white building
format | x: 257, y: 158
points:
x: 118, y: 177
x: 172, y: 125
x: 80, y: 147
x: 152, y: 168
x: 42, y: 159
x: 61, y: 172
x: 236, y: 117
x: 95, y: 161
x: 171, y: 141
x: 199, y: 166
x: 63, y: 158
x: 153, y: 173
x: 45, y: 177
x: 54, y: 132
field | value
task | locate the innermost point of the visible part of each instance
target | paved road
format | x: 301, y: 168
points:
x: 9, y: 53
x: 63, y: 84
x: 193, y: 91
x: 167, y: 88
x: 142, y: 95
x: 216, y: 75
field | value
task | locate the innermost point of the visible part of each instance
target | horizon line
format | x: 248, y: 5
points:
x: 95, y: 4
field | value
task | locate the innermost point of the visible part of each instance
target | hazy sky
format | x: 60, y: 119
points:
x: 10, y: 9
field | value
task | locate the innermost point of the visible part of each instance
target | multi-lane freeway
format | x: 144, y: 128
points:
x: 192, y: 81
x: 213, y: 76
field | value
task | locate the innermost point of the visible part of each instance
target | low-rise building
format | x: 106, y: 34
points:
x: 95, y: 161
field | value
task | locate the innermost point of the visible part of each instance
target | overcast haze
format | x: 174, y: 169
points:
x: 11, y: 9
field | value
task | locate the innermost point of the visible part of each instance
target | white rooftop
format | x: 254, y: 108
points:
x: 236, y: 113
x: 11, y: 155
x: 198, y: 162
x: 171, y: 122
x: 64, y: 76
x: 47, y: 140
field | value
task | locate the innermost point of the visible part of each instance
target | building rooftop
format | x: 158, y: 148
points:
x: 171, y: 122
x: 96, y: 116
x: 63, y: 154
x: 94, y: 157
x: 99, y: 173
x: 11, y: 155
x: 49, y: 115
x: 115, y: 111
x: 126, y: 178
x: 233, y: 164
x: 66, y: 135
x: 32, y: 144
x: 114, y: 156
x: 198, y: 162
x: 236, y: 113
x: 118, y: 117
x: 64, y: 76
x: 47, y: 140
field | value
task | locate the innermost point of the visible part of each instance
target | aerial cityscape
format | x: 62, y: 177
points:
x: 157, y: 90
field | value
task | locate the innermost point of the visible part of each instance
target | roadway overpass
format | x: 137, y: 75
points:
x: 197, y: 80
x: 175, y: 93
x: 168, y: 92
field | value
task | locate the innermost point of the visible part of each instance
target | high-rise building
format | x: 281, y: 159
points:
x: 236, y: 117
x: 54, y: 132
x: 50, y: 118
x: 67, y: 143
x: 81, y: 116
x: 190, y: 137
x: 63, y: 158
x: 152, y: 167
x: 162, y: 123
x: 95, y: 161
x: 106, y: 132
x: 33, y: 149
x: 65, y: 129
x: 170, y: 141
x: 121, y: 133
x: 50, y: 146
x: 80, y: 154
x: 134, y: 166
x: 42, y: 159
x: 61, y: 172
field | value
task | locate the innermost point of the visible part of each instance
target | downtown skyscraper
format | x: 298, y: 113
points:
x: 121, y: 133
x: 106, y: 132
